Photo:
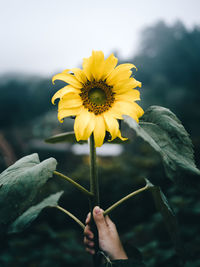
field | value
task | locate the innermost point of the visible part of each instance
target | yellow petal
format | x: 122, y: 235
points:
x: 65, y: 90
x: 70, y: 100
x: 138, y: 110
x: 116, y: 112
x: 120, y: 136
x: 131, y: 95
x: 99, y: 131
x: 63, y: 113
x: 86, y: 68
x: 112, y: 125
x: 79, y: 74
x: 84, y: 125
x: 98, y: 64
x: 109, y: 66
x: 126, y: 85
x: 93, y: 66
x: 68, y: 78
x: 128, y: 108
x: 120, y: 73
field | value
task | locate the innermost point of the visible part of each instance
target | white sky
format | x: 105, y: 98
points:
x: 46, y: 36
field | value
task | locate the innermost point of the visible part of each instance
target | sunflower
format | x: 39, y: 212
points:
x: 98, y: 95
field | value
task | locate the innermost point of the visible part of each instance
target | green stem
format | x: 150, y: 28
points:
x: 81, y: 188
x: 116, y: 204
x: 72, y: 216
x: 94, y: 186
x: 94, y: 201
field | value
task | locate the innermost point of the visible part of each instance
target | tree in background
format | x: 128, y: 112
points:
x: 168, y: 63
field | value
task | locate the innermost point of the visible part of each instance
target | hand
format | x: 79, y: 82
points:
x: 109, y: 240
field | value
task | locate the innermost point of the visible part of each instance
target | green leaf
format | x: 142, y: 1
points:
x: 166, y: 135
x: 31, y: 214
x: 20, y: 184
x: 69, y: 137
x: 169, y: 218
x: 64, y: 137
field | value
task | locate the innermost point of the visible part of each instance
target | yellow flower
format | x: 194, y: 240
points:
x: 98, y: 95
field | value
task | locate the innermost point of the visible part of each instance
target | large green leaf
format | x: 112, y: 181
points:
x: 165, y: 133
x: 20, y: 184
x: 31, y: 214
x: 169, y: 218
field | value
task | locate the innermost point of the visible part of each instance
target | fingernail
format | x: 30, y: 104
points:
x: 97, y: 210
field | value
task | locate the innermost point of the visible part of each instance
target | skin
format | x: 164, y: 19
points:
x: 109, y: 240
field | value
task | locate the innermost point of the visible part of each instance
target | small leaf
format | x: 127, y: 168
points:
x: 64, y: 137
x: 169, y: 218
x: 69, y: 137
x: 20, y: 185
x: 32, y: 213
x: 166, y: 135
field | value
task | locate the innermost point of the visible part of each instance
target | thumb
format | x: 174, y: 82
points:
x: 99, y: 219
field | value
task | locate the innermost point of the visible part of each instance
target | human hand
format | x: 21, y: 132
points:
x: 109, y: 240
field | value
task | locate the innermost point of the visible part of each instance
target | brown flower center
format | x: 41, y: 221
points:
x: 97, y: 97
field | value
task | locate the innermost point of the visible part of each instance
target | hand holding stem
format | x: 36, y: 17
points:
x: 109, y: 240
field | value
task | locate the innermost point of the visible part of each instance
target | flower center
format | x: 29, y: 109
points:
x: 97, y: 97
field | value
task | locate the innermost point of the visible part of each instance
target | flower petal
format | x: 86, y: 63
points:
x: 84, y: 125
x: 109, y: 65
x: 65, y: 90
x: 128, y: 108
x: 86, y: 68
x: 120, y: 73
x: 68, y: 78
x: 63, y: 113
x: 71, y: 100
x: 112, y: 125
x: 79, y: 74
x: 120, y: 136
x: 99, y: 131
x: 93, y: 66
x: 98, y: 64
x: 126, y: 85
x: 131, y: 95
x: 116, y: 113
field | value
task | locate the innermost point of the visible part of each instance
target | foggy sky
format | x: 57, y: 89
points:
x: 46, y: 36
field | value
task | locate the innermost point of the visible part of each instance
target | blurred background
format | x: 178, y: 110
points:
x: 42, y: 38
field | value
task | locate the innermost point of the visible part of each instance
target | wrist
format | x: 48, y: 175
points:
x: 120, y: 255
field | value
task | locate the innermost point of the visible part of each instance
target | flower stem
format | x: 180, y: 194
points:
x: 94, y: 201
x: 81, y: 188
x: 116, y: 204
x: 72, y: 216
x: 94, y: 186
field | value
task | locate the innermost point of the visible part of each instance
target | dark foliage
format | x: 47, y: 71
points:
x: 168, y: 63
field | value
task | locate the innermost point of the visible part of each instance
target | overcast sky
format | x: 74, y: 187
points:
x: 46, y: 36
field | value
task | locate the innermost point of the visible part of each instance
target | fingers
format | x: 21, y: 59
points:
x: 89, y: 250
x: 99, y: 219
x: 88, y: 243
x: 109, y: 240
x: 104, y: 225
x: 88, y: 233
x: 109, y: 222
x: 88, y: 218
x: 88, y: 236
